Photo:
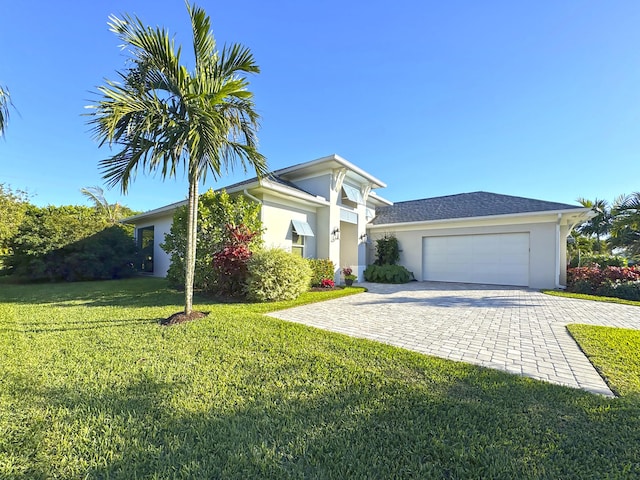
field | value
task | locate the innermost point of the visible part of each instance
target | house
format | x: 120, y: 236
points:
x: 329, y: 208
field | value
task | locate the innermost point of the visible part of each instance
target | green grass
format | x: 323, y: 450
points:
x: 614, y: 352
x: 92, y: 387
x: 595, y: 298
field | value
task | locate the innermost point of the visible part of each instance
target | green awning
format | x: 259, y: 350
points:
x: 302, y: 228
x: 353, y: 194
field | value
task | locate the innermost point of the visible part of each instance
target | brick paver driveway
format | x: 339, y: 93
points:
x: 518, y: 330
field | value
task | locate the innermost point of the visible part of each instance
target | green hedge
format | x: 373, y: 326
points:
x: 277, y: 275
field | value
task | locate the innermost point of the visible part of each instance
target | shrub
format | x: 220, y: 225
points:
x: 599, y: 260
x: 387, y: 274
x: 230, y: 263
x: 276, y: 275
x: 215, y: 210
x: 619, y: 282
x: 321, y: 268
x: 387, y: 250
x: 327, y: 283
x: 70, y: 243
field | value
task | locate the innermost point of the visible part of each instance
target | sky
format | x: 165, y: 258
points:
x: 534, y: 99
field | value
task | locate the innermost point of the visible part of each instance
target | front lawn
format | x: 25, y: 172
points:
x: 92, y: 387
x: 614, y: 352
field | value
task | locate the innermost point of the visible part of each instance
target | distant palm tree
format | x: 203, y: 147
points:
x: 113, y: 212
x: 600, y: 225
x: 5, y: 103
x: 625, y: 230
x: 164, y: 116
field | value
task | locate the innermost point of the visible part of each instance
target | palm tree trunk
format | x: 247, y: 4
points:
x: 190, y: 258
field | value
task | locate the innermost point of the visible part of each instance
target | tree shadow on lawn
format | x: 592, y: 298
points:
x: 455, y: 301
x: 136, y: 292
x: 476, y: 424
x: 45, y: 327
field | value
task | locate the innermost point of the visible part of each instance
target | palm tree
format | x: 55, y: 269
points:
x: 112, y: 212
x: 5, y: 103
x: 598, y: 226
x: 165, y: 116
x: 625, y: 230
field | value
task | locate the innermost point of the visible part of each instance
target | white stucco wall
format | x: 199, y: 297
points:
x: 276, y: 220
x: 542, y: 243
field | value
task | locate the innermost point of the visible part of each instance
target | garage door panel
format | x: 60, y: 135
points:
x: 493, y: 258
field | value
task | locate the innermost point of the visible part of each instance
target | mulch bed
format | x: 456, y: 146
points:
x: 323, y: 289
x: 180, y: 317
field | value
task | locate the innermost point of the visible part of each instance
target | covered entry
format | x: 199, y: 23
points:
x: 500, y: 259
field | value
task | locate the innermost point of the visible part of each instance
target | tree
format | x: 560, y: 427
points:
x: 13, y: 205
x: 5, y: 103
x: 600, y: 225
x: 625, y: 229
x: 113, y: 212
x: 165, y: 116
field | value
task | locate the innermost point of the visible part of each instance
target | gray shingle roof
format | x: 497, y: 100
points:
x: 463, y: 205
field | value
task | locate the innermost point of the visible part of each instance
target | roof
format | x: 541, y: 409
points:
x: 251, y: 182
x: 330, y: 162
x: 464, y: 205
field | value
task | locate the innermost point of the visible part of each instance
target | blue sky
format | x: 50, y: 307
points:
x: 537, y: 99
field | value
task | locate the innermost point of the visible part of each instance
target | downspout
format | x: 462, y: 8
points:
x: 557, y: 279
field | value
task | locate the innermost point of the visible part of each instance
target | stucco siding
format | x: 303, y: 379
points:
x: 276, y: 219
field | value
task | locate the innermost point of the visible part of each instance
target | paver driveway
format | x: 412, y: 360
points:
x: 518, y: 330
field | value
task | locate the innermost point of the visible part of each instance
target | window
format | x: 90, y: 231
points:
x: 145, y: 246
x: 352, y: 196
x: 299, y: 230
x: 297, y: 244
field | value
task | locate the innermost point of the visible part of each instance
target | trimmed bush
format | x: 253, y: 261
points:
x: 387, y: 274
x: 277, y: 275
x: 321, y: 269
x: 618, y: 282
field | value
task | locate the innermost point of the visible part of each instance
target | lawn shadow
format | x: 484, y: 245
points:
x: 454, y: 301
x: 485, y: 424
x: 135, y: 292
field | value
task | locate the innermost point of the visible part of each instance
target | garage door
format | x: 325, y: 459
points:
x: 500, y: 259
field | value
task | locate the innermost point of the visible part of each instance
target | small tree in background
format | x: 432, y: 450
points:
x: 387, y: 250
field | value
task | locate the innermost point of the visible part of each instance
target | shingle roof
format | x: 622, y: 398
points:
x: 463, y: 205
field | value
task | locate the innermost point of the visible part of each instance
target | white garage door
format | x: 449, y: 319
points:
x: 500, y: 259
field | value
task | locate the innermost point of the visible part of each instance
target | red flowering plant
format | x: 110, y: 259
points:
x: 327, y: 283
x: 230, y: 263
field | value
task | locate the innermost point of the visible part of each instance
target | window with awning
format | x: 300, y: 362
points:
x: 353, y: 194
x: 302, y: 228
